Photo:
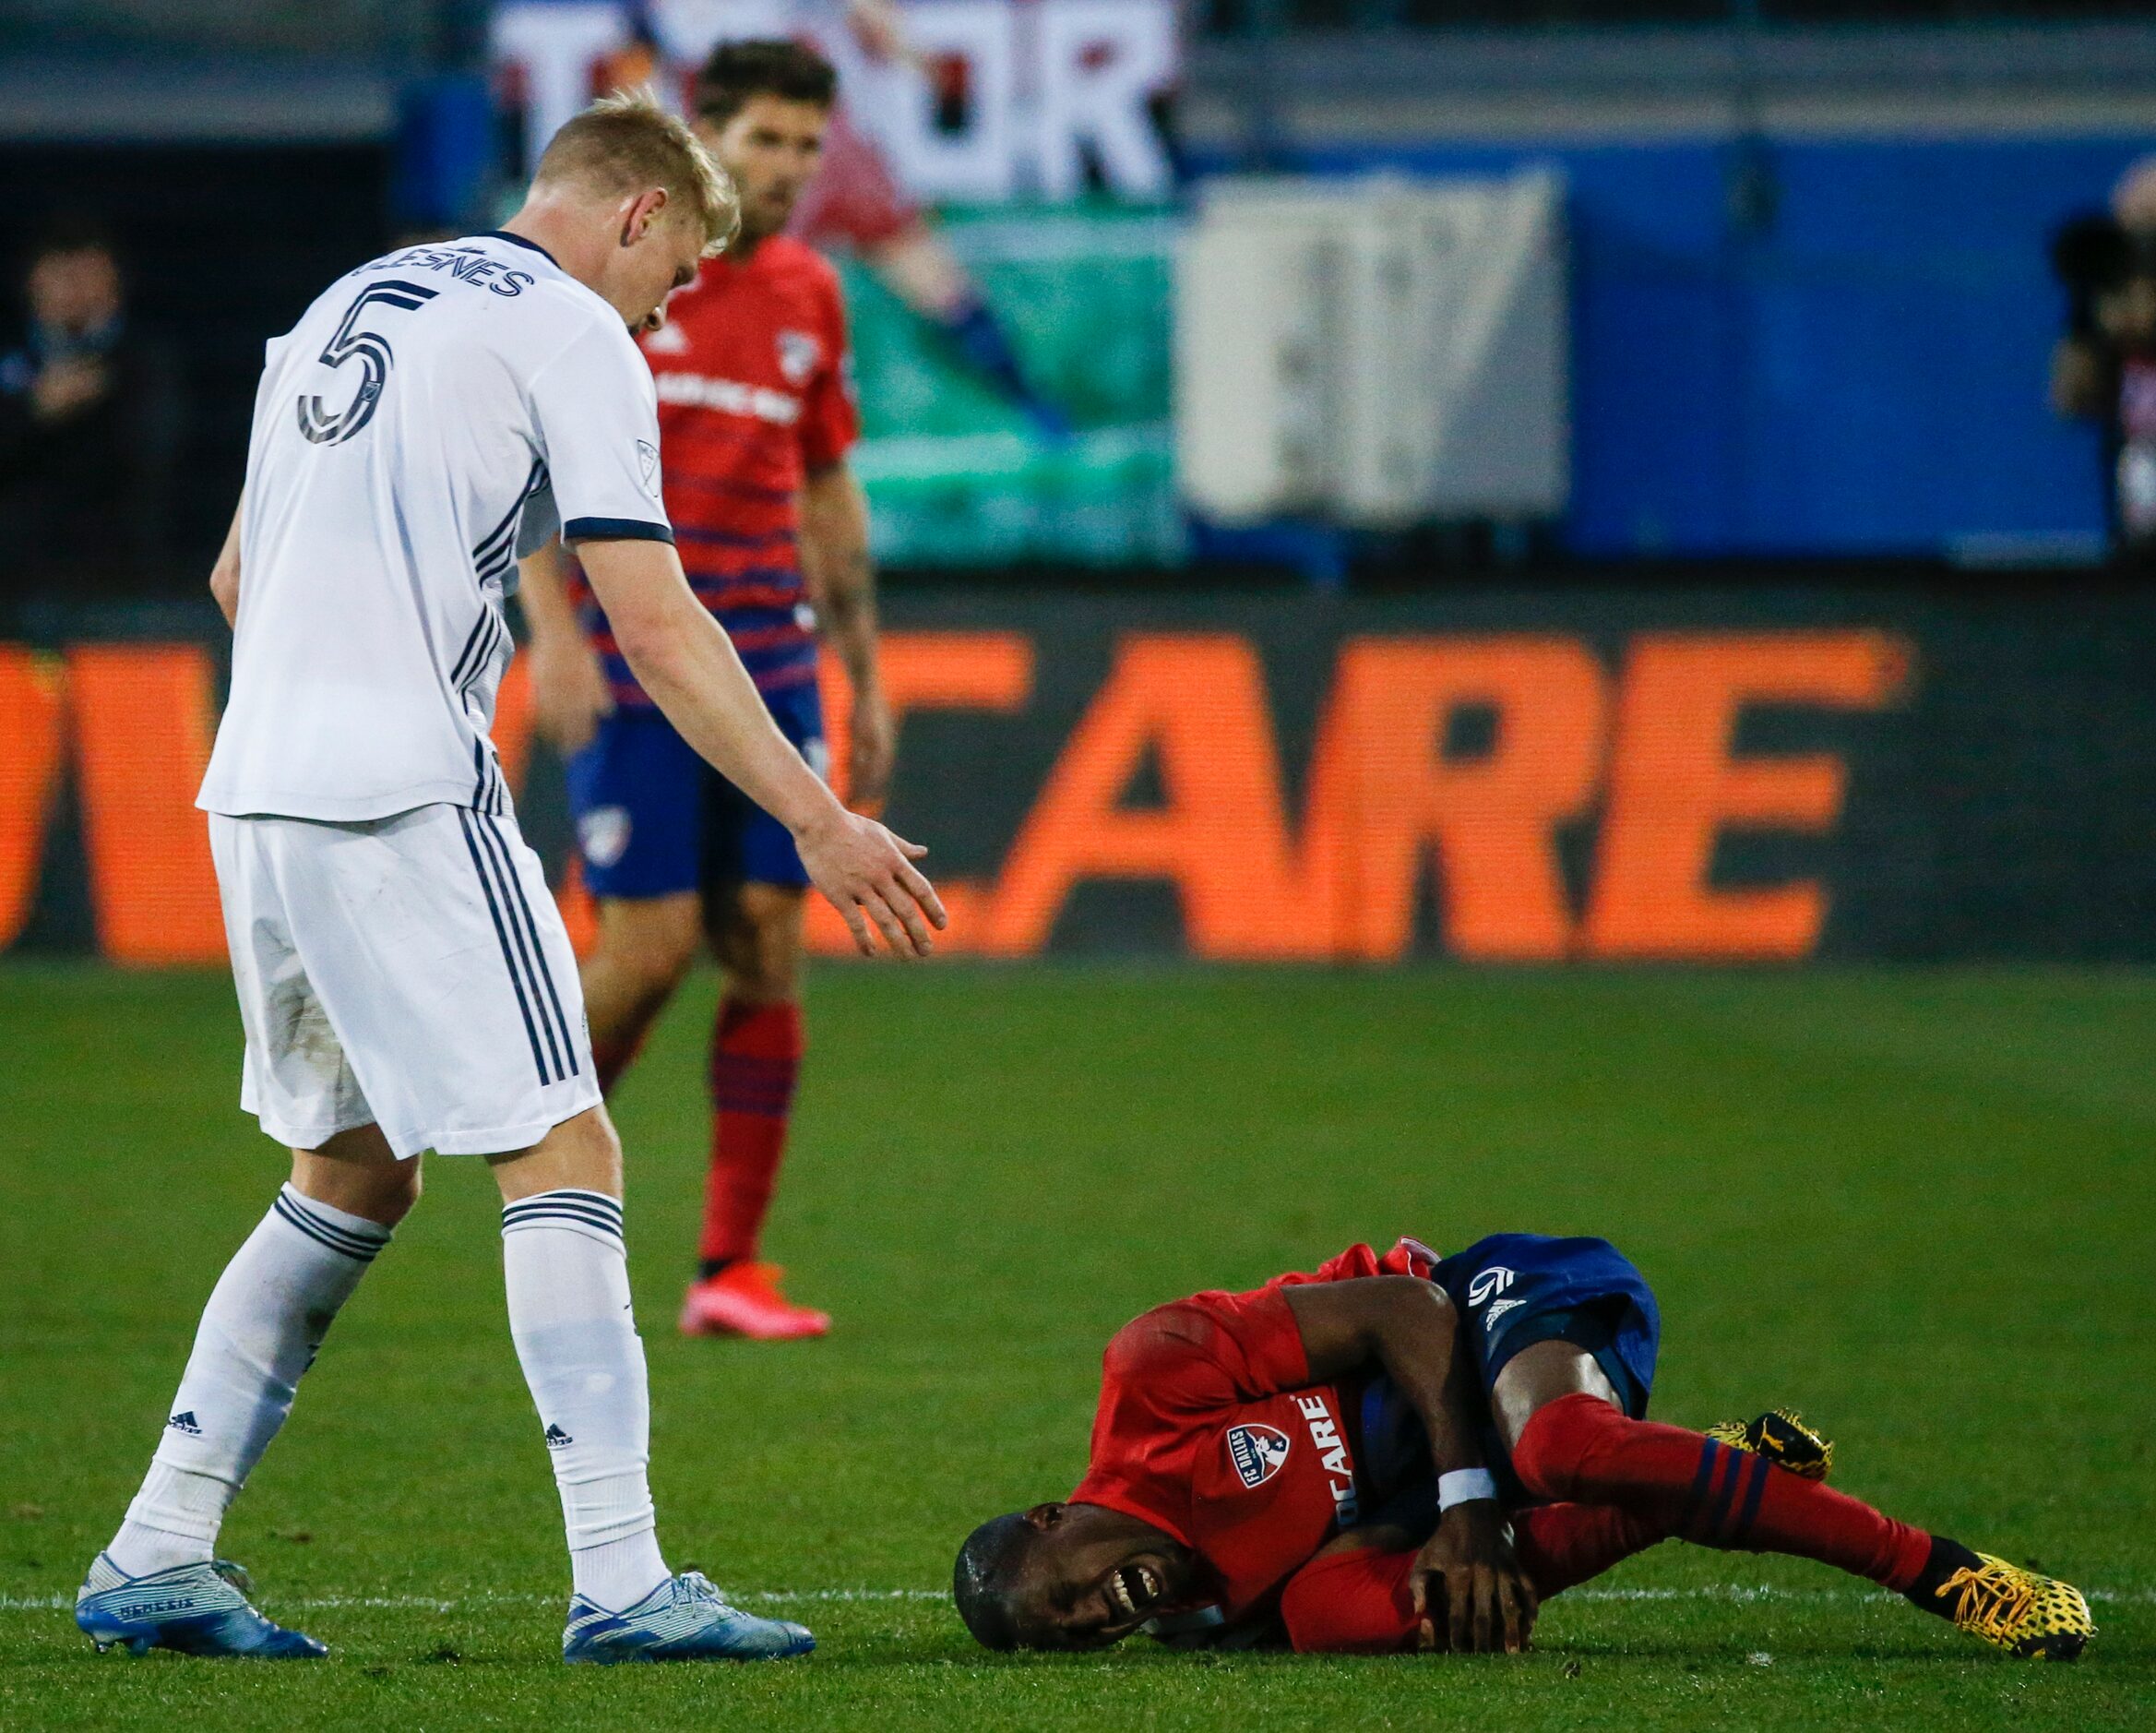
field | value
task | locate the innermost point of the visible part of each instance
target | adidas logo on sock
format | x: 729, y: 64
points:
x: 555, y: 1438
x: 185, y: 1423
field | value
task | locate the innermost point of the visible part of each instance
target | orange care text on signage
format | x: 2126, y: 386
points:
x: 1644, y: 755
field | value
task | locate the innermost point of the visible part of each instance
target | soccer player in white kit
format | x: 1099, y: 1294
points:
x: 404, y: 980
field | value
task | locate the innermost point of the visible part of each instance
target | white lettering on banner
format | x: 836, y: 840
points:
x: 1048, y: 83
x: 701, y: 391
x: 554, y: 48
x: 978, y: 161
x: 1100, y: 61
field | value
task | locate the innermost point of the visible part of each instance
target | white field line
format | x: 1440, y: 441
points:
x: 490, y: 1598
x: 1730, y: 1592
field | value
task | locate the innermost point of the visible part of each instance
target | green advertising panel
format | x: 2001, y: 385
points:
x: 954, y: 472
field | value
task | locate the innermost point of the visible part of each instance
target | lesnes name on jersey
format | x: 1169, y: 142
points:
x: 464, y: 264
x: 730, y: 396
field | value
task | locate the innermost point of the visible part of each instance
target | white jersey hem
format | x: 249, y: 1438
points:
x: 506, y: 1139
x: 500, y: 1139
x: 306, y: 1137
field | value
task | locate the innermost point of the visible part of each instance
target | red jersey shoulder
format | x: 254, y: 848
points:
x: 793, y: 260
x: 1211, y: 1348
x: 777, y: 317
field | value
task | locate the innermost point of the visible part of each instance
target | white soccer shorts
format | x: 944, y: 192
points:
x: 409, y: 972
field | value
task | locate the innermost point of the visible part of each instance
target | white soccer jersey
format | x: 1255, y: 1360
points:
x: 433, y: 415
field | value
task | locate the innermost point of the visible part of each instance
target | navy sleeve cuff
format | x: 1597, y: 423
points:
x: 614, y: 530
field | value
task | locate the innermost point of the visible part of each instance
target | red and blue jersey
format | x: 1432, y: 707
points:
x: 1210, y: 1427
x: 754, y: 396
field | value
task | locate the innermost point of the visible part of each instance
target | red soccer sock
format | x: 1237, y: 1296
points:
x: 1580, y: 1448
x: 756, y: 1056
x: 1562, y: 1546
x: 1358, y: 1602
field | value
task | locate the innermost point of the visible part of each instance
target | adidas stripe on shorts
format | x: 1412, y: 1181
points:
x: 410, y: 972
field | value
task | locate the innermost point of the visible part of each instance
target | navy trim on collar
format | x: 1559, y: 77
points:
x: 518, y: 240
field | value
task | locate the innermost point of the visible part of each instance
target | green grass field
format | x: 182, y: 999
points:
x: 1922, y: 1206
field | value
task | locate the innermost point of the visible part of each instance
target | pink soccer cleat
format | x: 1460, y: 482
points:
x: 744, y: 1300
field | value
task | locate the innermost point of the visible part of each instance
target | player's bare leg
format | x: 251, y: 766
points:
x: 358, y: 1172
x: 566, y: 1271
x: 158, y: 1585
x: 645, y: 946
x: 1570, y: 1439
x: 756, y: 1044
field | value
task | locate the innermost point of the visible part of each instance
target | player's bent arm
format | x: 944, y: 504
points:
x: 685, y: 661
x: 1407, y: 1326
x: 1466, y: 1588
x: 842, y: 580
x: 841, y: 577
x: 224, y: 577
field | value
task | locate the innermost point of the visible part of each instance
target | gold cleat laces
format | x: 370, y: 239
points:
x: 2036, y: 1616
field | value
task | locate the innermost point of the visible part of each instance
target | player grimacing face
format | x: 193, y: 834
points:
x: 1094, y: 1575
x: 771, y: 146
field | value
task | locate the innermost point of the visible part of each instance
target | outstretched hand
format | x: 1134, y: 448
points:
x: 869, y: 876
x: 1471, y: 1594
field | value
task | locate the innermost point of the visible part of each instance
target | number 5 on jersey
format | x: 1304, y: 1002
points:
x: 371, y: 349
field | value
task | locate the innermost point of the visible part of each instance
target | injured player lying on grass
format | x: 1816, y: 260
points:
x: 1410, y: 1452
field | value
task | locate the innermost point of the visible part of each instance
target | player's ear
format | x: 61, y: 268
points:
x: 641, y: 215
x: 1044, y: 1517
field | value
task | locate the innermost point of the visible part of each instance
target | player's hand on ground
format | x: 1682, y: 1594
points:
x: 869, y: 876
x: 873, y: 745
x: 569, y: 694
x: 1471, y: 1596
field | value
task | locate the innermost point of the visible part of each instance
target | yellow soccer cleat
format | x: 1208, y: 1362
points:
x: 2038, y: 1618
x: 1782, y: 1437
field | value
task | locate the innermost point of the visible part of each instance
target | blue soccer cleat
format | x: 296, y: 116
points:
x: 682, y: 1620
x: 194, y: 1608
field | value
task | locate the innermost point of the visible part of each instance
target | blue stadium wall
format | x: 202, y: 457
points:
x: 1864, y: 376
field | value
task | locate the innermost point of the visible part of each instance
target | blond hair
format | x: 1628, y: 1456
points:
x: 626, y: 144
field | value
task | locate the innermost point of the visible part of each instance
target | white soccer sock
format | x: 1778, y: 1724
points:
x: 569, y: 1312
x: 264, y: 1319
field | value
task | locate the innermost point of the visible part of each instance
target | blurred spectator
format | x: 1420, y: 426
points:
x: 90, y: 416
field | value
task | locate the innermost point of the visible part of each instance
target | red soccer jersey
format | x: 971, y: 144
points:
x: 754, y: 394
x: 1210, y: 1429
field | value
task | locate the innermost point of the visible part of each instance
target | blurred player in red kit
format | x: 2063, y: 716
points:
x: 1410, y: 1452
x: 756, y: 415
x: 855, y: 203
